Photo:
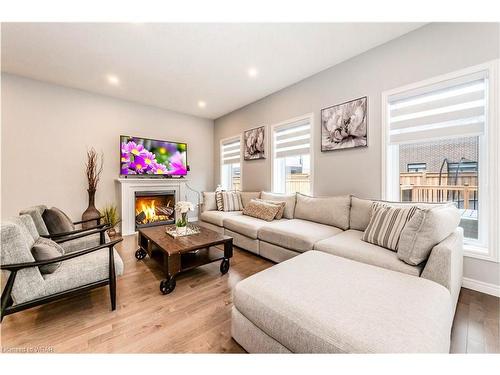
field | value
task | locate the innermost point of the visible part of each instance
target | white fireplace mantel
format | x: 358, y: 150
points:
x: 128, y: 187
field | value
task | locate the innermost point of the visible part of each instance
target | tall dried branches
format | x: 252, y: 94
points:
x: 93, y: 168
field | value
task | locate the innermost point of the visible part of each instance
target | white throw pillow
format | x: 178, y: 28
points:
x: 209, y: 201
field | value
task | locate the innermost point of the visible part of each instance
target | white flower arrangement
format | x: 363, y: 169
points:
x: 184, y: 206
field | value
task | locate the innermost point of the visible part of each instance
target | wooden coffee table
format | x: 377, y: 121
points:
x: 181, y: 254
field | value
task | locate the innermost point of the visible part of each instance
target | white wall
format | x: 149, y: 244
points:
x: 424, y: 53
x: 46, y: 130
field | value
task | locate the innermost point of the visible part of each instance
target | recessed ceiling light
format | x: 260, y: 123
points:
x: 252, y: 72
x: 201, y: 104
x: 113, y: 80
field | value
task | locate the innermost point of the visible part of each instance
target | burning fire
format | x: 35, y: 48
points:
x: 148, y: 211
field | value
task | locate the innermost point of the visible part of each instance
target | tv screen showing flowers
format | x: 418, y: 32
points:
x: 142, y: 156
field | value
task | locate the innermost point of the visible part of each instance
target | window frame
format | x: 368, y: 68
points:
x: 489, y: 176
x: 310, y: 118
x: 221, y: 161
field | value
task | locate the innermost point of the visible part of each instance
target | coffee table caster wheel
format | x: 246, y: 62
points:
x: 224, y: 266
x: 140, y: 254
x: 167, y: 286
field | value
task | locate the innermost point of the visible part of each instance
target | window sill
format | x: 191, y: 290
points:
x: 478, y: 252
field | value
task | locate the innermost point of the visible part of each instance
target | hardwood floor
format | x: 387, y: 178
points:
x: 195, y: 318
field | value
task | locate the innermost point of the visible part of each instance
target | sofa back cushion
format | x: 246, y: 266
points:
x: 324, y: 210
x: 209, y: 202
x: 247, y: 196
x: 261, y: 210
x: 426, y: 229
x: 360, y: 213
x: 57, y: 221
x: 289, y: 200
x: 386, y: 224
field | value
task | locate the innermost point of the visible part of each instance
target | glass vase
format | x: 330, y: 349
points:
x: 182, y: 224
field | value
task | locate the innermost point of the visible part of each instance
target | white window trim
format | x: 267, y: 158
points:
x: 221, y: 143
x: 307, y: 116
x: 492, y: 186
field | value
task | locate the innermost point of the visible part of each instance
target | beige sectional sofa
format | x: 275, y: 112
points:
x: 413, y: 304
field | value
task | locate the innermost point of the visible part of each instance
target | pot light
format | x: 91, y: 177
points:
x: 252, y: 72
x: 201, y: 104
x: 113, y: 80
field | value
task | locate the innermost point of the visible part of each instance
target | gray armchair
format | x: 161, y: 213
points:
x: 76, y: 243
x: 80, y: 269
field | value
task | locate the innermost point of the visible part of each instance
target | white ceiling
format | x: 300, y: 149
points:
x: 174, y: 66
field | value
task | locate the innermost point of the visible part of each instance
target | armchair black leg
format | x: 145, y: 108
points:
x: 112, y: 279
x: 6, y: 299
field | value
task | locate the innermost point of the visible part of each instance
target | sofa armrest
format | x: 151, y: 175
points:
x: 445, y: 263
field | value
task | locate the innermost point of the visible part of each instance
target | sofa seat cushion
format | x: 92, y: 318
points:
x: 246, y: 225
x: 217, y: 217
x: 319, y: 303
x: 296, y: 234
x: 350, y: 245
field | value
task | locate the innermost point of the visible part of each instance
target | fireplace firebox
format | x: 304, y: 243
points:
x: 154, y: 208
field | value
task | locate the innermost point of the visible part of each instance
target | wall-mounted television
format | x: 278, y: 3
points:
x: 148, y: 157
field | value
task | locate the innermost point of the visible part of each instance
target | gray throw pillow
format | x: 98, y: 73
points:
x: 57, y: 221
x: 44, y: 249
x: 426, y: 229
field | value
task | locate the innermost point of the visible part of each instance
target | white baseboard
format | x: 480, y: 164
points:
x: 481, y: 286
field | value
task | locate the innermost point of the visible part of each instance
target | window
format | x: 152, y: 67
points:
x: 230, y: 152
x: 438, y: 149
x: 291, y: 154
x: 416, y: 167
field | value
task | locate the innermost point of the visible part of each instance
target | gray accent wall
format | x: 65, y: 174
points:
x: 424, y: 53
x: 47, y: 128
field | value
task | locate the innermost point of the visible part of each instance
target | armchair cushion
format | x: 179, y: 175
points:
x: 81, y: 271
x: 57, y: 221
x: 45, y: 249
x: 84, y: 242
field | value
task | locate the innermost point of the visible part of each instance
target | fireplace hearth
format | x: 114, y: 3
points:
x: 154, y: 208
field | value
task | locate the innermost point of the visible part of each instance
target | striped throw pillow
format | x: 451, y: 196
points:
x: 219, y: 201
x: 386, y: 224
x: 231, y: 201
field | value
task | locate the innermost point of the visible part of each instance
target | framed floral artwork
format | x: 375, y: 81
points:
x: 344, y: 126
x: 254, y: 143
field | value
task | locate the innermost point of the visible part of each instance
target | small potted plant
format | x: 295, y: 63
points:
x: 111, y: 218
x: 182, y: 208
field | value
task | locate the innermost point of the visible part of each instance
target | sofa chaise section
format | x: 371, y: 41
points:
x: 319, y: 303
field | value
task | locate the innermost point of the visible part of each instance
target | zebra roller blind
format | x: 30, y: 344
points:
x: 231, y: 151
x: 451, y: 108
x: 292, y: 139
